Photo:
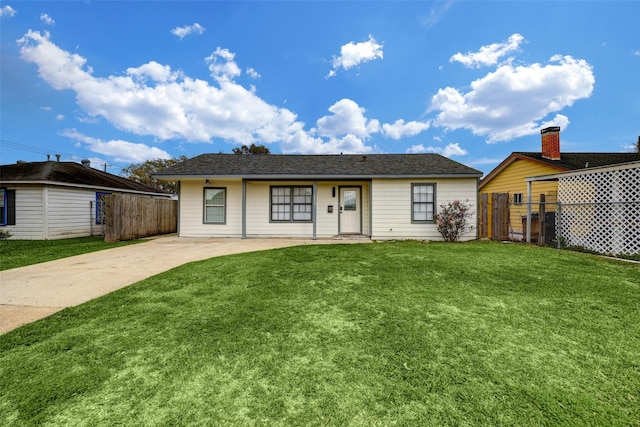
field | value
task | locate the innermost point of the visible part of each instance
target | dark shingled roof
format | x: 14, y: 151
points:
x: 70, y: 173
x: 318, y: 166
x: 573, y: 161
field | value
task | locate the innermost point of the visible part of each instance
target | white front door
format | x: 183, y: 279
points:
x: 350, y: 206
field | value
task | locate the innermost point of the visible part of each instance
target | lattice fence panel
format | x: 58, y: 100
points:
x: 600, y: 211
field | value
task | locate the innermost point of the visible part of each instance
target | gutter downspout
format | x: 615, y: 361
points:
x: 370, y: 208
x: 314, y: 209
x: 244, y: 208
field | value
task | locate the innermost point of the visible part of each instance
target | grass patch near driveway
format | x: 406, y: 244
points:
x: 377, y: 334
x: 20, y: 253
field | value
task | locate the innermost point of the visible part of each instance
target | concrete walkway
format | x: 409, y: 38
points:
x: 37, y: 291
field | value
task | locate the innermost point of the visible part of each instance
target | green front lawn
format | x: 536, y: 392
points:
x: 19, y: 253
x: 400, y: 333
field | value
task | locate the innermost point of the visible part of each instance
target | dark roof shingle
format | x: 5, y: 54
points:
x: 70, y: 173
x: 573, y: 161
x: 319, y: 166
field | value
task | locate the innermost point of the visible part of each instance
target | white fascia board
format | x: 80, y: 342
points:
x: 86, y: 187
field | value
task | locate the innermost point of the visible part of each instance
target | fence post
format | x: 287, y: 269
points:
x: 528, y: 236
x: 559, y: 224
x: 542, y: 223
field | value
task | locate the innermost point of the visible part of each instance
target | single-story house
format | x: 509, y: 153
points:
x: 379, y: 196
x: 508, y: 179
x: 57, y: 200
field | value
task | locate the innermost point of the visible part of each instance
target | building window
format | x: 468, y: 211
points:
x: 423, y: 201
x: 291, y: 203
x: 7, y: 207
x: 517, y: 199
x: 215, y: 202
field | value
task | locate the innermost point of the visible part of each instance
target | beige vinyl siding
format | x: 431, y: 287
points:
x: 258, y: 222
x: 259, y: 212
x: 192, y: 209
x: 69, y: 212
x: 328, y: 223
x: 392, y: 207
x: 29, y: 213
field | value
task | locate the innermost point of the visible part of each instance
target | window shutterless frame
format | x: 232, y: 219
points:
x: 291, y: 203
x: 214, y: 209
x: 423, y: 202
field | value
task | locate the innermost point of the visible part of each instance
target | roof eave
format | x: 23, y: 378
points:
x: 89, y: 187
x: 314, y: 177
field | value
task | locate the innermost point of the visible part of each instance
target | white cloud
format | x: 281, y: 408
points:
x: 252, y: 73
x: 490, y: 54
x: 47, y: 19
x: 348, y: 118
x: 514, y: 101
x: 119, y: 150
x: 157, y: 72
x: 450, y: 150
x: 353, y: 54
x: 486, y: 161
x: 46, y: 108
x: 222, y: 65
x: 60, y: 117
x: 400, y: 129
x: 636, y: 53
x: 174, y: 107
x: 436, y: 13
x: 7, y: 11
x: 155, y: 100
x: 182, y: 32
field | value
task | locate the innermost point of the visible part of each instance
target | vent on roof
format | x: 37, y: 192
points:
x: 21, y: 162
x: 86, y: 163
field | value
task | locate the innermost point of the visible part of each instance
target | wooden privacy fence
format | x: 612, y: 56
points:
x: 501, y: 219
x: 494, y: 216
x: 129, y: 216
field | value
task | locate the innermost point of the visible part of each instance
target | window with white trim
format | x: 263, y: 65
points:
x: 423, y: 200
x: 517, y: 199
x: 215, y: 202
x: 291, y: 204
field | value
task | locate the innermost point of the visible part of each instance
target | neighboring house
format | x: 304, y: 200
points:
x: 599, y: 208
x: 509, y: 178
x: 380, y: 196
x: 56, y: 200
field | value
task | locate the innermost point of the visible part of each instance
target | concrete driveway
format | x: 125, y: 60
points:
x: 37, y: 291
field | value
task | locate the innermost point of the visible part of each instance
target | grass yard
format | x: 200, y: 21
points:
x: 19, y: 253
x: 400, y: 333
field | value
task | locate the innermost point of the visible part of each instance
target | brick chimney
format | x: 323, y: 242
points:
x: 551, y: 143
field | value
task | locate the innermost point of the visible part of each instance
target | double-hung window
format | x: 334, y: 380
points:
x: 291, y: 203
x: 215, y: 201
x: 423, y: 200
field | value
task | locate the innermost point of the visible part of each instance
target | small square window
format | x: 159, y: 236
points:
x: 517, y: 198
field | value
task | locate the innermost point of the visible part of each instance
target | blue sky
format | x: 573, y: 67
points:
x: 123, y: 82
